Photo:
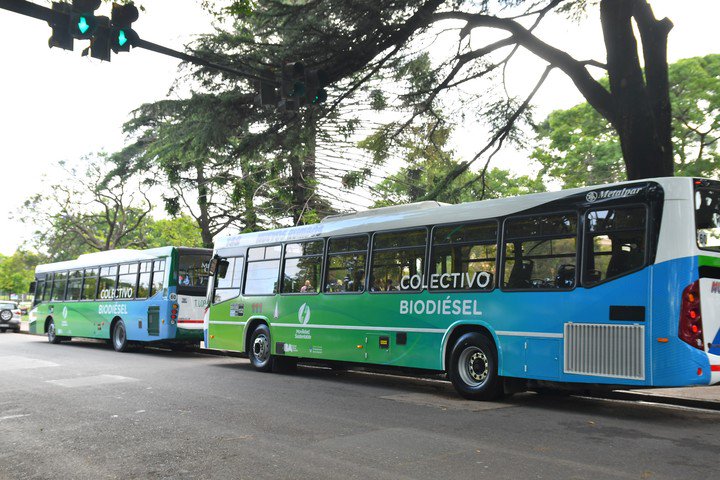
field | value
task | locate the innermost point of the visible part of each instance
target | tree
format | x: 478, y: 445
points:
x: 428, y: 159
x: 86, y: 211
x: 18, y: 270
x: 361, y: 39
x: 579, y: 147
x: 181, y: 231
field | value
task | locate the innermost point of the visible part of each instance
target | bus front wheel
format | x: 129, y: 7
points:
x: 52, y: 333
x: 259, y: 353
x: 119, y: 337
x: 473, y: 368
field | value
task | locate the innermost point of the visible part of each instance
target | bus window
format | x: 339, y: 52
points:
x: 108, y: 279
x: 540, y: 252
x: 397, y: 261
x: 158, y: 277
x: 59, y: 286
x: 127, y: 280
x: 74, y: 287
x: 229, y: 286
x: 143, y: 290
x: 262, y: 275
x: 90, y: 286
x: 707, y: 219
x: 464, y: 257
x: 193, y: 270
x: 346, y: 264
x: 615, y: 243
x: 39, y: 290
x: 302, y: 265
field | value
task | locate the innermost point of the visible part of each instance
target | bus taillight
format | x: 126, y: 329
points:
x: 690, y: 329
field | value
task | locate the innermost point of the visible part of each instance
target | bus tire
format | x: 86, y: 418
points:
x: 260, y: 348
x: 51, y: 333
x: 119, y: 337
x: 473, y: 368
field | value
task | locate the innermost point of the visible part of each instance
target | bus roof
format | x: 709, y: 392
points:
x: 108, y: 257
x: 422, y: 213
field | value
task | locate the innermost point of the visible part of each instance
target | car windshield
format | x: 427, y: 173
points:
x: 707, y: 219
x: 8, y: 306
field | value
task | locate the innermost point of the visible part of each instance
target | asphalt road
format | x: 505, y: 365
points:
x: 80, y: 410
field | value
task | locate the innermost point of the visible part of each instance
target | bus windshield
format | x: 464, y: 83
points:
x: 707, y: 219
x: 193, y: 271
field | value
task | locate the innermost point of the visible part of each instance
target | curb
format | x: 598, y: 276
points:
x: 657, y: 398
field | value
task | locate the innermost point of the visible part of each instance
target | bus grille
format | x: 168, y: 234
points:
x: 605, y: 350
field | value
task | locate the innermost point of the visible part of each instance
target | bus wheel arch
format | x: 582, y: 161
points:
x: 119, y: 341
x: 458, y: 331
x: 47, y: 323
x: 252, y: 324
x: 473, y: 366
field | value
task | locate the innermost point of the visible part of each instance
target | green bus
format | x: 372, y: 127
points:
x: 613, y: 286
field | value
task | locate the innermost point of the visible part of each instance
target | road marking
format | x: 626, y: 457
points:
x: 91, y: 381
x: 8, y: 417
x: 16, y: 362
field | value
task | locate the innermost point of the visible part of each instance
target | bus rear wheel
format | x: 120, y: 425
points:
x: 260, y: 346
x: 119, y: 337
x: 52, y: 333
x: 473, y: 368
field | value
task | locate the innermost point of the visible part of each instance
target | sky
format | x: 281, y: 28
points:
x: 56, y: 105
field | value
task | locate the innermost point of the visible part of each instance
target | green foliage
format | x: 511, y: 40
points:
x: 181, y: 231
x: 581, y: 148
x: 18, y: 270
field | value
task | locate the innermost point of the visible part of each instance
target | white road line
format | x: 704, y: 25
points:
x: 10, y: 363
x: 8, y: 417
x: 91, y: 381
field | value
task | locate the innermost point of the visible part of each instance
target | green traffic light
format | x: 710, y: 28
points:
x: 83, y: 25
x: 122, y: 39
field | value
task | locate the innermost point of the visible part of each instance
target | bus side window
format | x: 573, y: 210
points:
x: 302, y: 266
x: 90, y: 284
x: 262, y: 273
x: 463, y: 257
x: 615, y: 243
x: 398, y: 261
x: 540, y: 252
x: 345, y: 267
x: 228, y: 287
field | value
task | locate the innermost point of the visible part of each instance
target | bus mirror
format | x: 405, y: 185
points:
x: 222, y: 268
x: 31, y: 290
x: 212, y: 267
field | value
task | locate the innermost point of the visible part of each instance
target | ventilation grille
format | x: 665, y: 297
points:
x: 605, y: 350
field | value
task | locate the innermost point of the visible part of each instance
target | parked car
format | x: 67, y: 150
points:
x: 9, y: 316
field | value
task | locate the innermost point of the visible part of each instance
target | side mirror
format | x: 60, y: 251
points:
x: 32, y: 287
x: 218, y: 267
x: 222, y: 268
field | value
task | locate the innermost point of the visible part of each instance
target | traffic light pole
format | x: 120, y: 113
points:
x: 29, y: 9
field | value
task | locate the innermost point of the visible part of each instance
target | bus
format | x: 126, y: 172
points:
x: 124, y: 296
x: 611, y: 286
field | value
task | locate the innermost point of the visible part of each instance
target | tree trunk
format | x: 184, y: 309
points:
x: 204, y: 218
x: 640, y: 102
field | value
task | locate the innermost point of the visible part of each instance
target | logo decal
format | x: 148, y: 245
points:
x: 304, y: 314
x: 715, y: 288
x: 64, y: 312
x: 591, y: 196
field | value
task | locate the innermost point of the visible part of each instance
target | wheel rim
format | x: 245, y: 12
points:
x: 119, y: 336
x: 261, y: 348
x: 473, y: 366
x: 51, y: 331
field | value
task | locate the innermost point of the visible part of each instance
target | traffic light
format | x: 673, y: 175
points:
x: 292, y: 84
x: 82, y: 20
x: 267, y: 93
x: 100, y: 44
x: 61, y: 36
x: 315, y: 83
x: 122, y: 36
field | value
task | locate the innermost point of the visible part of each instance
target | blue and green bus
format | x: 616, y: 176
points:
x: 124, y: 296
x: 613, y: 286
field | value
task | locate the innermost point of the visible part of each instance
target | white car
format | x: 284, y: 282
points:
x: 9, y: 316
